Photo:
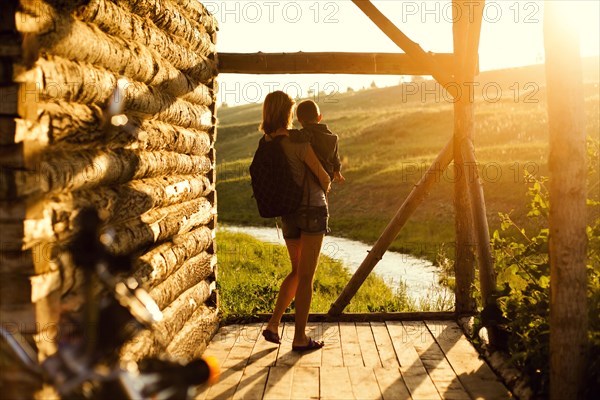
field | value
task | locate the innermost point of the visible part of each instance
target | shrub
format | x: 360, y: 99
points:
x: 522, y: 263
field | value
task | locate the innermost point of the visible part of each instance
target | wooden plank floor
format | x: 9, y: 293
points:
x: 378, y: 360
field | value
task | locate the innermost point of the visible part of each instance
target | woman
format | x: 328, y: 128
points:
x: 303, y: 230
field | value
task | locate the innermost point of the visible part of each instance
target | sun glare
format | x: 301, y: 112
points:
x: 580, y: 18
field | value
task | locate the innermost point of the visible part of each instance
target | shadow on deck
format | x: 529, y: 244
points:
x: 362, y: 360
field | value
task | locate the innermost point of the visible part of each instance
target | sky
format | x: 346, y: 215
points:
x: 511, y: 36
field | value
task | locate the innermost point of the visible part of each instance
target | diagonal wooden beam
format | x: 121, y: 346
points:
x: 411, y: 48
x: 413, y: 200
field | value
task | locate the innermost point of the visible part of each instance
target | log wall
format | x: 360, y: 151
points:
x: 152, y: 179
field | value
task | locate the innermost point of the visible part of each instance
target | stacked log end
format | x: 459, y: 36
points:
x: 152, y: 179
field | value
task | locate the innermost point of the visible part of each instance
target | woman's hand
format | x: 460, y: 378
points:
x: 338, y: 177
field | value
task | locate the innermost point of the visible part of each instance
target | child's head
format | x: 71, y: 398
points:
x: 277, y: 112
x: 308, y: 112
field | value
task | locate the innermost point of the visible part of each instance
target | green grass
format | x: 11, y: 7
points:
x: 250, y: 274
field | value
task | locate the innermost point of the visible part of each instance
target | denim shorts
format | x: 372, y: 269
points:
x: 307, y: 220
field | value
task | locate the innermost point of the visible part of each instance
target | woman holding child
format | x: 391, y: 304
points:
x: 303, y: 230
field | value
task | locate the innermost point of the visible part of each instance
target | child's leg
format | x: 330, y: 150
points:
x: 309, y: 258
x: 288, y: 286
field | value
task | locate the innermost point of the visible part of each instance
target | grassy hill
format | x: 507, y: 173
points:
x: 388, y: 138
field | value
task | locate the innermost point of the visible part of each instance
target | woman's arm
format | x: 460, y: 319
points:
x: 311, y: 160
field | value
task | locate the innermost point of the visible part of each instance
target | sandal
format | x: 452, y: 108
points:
x: 271, y: 336
x: 312, y: 345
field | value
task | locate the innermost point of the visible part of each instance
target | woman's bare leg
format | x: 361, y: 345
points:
x: 288, y: 286
x: 309, y: 258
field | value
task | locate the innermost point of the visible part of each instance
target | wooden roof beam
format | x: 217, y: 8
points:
x: 412, y: 49
x: 328, y: 63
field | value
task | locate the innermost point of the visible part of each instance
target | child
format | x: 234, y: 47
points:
x: 323, y: 141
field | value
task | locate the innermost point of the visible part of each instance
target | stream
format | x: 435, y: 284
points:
x: 419, y: 275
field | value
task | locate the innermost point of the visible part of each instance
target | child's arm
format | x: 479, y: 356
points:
x: 315, y: 166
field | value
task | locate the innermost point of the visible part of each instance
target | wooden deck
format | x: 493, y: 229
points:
x: 372, y: 360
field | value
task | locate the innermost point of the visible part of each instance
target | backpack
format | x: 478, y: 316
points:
x: 275, y: 191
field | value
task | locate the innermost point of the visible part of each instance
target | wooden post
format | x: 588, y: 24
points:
x: 475, y: 15
x: 568, y: 240
x: 463, y: 223
x: 411, y: 203
x: 463, y: 130
x: 469, y: 191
